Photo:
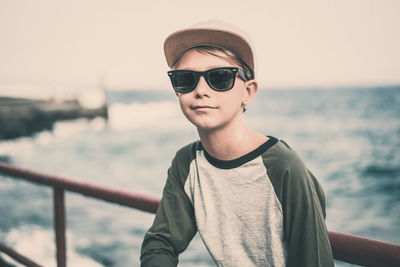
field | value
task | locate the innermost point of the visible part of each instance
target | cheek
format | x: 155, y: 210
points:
x: 184, y: 103
x: 233, y: 99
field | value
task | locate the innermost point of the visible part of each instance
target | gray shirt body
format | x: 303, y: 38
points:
x: 238, y: 214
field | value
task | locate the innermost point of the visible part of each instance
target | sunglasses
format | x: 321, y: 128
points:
x: 219, y: 79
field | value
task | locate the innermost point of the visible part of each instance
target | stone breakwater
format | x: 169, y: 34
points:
x: 24, y: 117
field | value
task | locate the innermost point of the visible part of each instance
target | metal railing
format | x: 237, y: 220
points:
x: 348, y: 248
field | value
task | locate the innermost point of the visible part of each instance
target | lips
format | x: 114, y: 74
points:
x: 201, y: 107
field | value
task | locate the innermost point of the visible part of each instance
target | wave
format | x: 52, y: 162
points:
x: 159, y: 115
x: 21, y: 239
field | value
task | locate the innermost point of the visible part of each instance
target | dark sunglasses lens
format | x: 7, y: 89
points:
x: 221, y: 79
x: 183, y: 81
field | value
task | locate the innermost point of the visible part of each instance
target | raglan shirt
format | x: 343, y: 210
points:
x: 262, y: 209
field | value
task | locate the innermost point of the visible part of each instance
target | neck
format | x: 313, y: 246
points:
x: 230, y: 142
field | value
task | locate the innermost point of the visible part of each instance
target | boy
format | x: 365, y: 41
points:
x: 250, y: 196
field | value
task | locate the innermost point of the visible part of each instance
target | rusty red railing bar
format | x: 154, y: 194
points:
x: 364, y: 251
x: 59, y: 226
x: 349, y: 248
x: 133, y: 200
x: 18, y: 257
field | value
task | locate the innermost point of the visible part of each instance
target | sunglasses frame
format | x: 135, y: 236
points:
x: 198, y: 74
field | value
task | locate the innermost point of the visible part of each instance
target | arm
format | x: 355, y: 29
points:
x: 174, y: 225
x: 303, y: 204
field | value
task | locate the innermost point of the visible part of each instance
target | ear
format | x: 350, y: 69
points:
x: 249, y: 91
x: 177, y: 94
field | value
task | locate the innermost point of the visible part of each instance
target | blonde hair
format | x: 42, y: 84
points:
x: 221, y: 52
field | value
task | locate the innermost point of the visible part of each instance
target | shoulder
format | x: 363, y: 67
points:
x: 188, y: 152
x: 281, y: 157
x: 180, y: 166
x: 285, y: 169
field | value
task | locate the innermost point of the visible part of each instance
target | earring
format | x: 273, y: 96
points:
x: 244, y: 107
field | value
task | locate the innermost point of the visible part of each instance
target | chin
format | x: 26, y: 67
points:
x: 204, y: 125
x: 208, y: 126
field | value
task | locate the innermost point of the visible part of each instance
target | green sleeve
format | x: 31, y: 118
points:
x: 303, y: 205
x: 174, y: 224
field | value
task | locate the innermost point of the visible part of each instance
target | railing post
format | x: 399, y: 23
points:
x: 59, y: 226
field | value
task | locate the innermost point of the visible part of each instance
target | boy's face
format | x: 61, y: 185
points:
x: 206, y: 108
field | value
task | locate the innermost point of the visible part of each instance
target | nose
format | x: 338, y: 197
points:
x: 202, y: 88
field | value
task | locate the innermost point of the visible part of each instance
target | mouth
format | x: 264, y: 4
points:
x: 202, y: 107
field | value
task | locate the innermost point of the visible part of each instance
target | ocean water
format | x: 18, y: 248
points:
x: 349, y: 138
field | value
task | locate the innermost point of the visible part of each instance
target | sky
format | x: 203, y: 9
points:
x: 119, y: 44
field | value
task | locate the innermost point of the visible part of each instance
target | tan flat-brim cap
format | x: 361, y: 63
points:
x: 215, y: 33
